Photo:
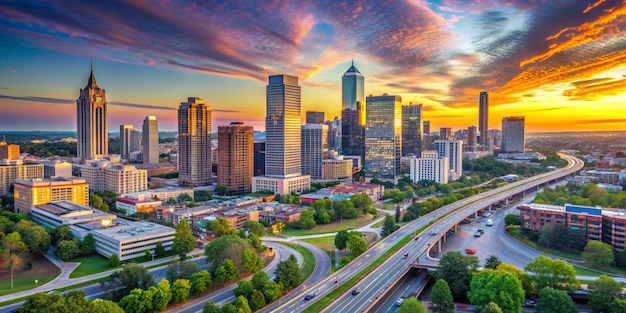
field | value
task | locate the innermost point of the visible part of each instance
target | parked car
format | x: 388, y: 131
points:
x: 399, y: 302
x: 529, y: 304
x: 309, y: 296
x: 356, y: 291
x: 470, y: 251
x: 481, y: 230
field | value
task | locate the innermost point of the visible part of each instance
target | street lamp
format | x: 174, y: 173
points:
x: 37, y: 282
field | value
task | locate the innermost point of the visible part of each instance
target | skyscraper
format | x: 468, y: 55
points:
x: 513, y: 134
x: 125, y: 140
x: 259, y: 158
x: 334, y: 134
x: 283, y: 138
x: 453, y: 150
x: 471, y: 136
x: 426, y: 129
x: 314, y: 149
x: 150, y: 140
x: 445, y: 133
x: 383, y: 137
x: 352, y: 88
x: 235, y: 149
x: 313, y: 117
x: 483, y: 118
x: 92, y: 122
x: 194, y: 143
x: 412, y: 130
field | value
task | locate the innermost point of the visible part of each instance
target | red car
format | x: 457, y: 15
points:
x: 470, y: 251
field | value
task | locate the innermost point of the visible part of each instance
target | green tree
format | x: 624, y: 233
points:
x: 253, y: 227
x: 121, y: 282
x: 500, y: 287
x: 552, y: 273
x: 211, y: 307
x: 356, y: 244
x: 159, y: 249
x: 225, y: 247
x: 618, y: 305
x: 61, y: 233
x: 257, y: 300
x: 345, y: 209
x: 106, y: 306
x: 288, y: 273
x: 220, y: 227
x: 620, y: 257
x: 114, y: 261
x: 96, y: 202
x: 555, y: 301
x: 259, y: 279
x: 456, y: 269
x: 241, y: 303
x: 598, y: 254
x: 251, y: 261
x: 226, y: 272
x: 341, y: 239
x: 34, y: 236
x: 200, y: 282
x: 40, y: 300
x: 441, y: 297
x: 389, y: 226
x: 180, y: 290
x: 162, y: 295
x: 602, y: 291
x: 222, y: 190
x: 75, y: 301
x: 272, y: 291
x: 491, y: 308
x: 229, y: 308
x: 184, y: 240
x: 14, y: 248
x: 524, y: 278
x: 88, y: 244
x: 133, y: 302
x: 492, y: 262
x: 67, y: 249
x: 511, y: 219
x: 256, y: 242
x: 244, y: 288
x: 362, y: 202
x: 411, y: 305
x: 307, y: 219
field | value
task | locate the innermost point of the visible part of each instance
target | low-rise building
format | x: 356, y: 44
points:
x: 337, y: 169
x: 31, y: 192
x: 275, y: 212
x: 164, y: 194
x: 56, y: 168
x: 430, y: 166
x: 103, y: 175
x: 132, y: 205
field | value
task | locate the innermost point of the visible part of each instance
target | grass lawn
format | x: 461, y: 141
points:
x: 90, y: 264
x: 24, y: 278
x: 329, y: 228
x: 586, y: 272
x: 327, y: 244
x: 562, y: 253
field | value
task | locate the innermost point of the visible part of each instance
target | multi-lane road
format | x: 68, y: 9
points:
x: 374, y: 284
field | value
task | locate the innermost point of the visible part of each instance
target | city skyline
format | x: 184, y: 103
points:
x: 551, y: 62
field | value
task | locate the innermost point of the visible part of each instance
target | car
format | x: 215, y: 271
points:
x: 399, y: 302
x: 309, y: 296
x: 356, y: 291
x: 433, y: 233
x: 477, y: 234
x: 470, y: 251
x: 416, y: 237
x: 529, y: 304
x: 481, y: 230
x: 406, y: 255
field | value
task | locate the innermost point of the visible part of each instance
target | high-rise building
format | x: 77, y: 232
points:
x: 259, y: 158
x: 513, y: 134
x: 314, y: 149
x: 129, y: 140
x: 412, y: 129
x: 352, y: 88
x: 150, y: 140
x: 235, y: 151
x: 31, y: 192
x: 483, y: 118
x: 430, y: 166
x: 445, y: 133
x: 426, y: 129
x: 15, y: 169
x: 496, y: 137
x: 92, y: 121
x: 383, y: 137
x: 471, y: 136
x: 313, y: 117
x: 9, y: 152
x: 194, y: 143
x: 353, y: 131
x: 283, y: 138
x: 103, y: 175
x: 334, y: 134
x: 453, y: 150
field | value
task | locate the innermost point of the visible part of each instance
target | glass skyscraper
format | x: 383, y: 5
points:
x: 483, y: 118
x: 383, y: 137
x: 352, y: 88
x: 412, y: 130
x: 353, y: 113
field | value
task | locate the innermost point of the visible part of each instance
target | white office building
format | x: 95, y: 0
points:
x: 453, y: 150
x: 430, y: 166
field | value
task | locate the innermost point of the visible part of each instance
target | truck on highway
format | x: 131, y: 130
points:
x: 489, y: 222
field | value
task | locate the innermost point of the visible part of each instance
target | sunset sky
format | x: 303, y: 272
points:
x: 561, y: 64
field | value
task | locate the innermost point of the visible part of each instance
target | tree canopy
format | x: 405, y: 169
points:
x: 441, y: 297
x: 184, y: 241
x: 598, y: 254
x: 555, y: 301
x: 411, y: 305
x: 501, y: 287
x: 456, y: 269
x: 602, y: 292
x: 552, y: 273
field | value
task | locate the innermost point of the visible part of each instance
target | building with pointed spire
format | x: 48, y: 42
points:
x: 92, y: 121
x: 352, y: 88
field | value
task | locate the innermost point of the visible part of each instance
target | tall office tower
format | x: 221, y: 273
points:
x: 283, y: 138
x: 259, y: 158
x: 483, y: 118
x: 445, y: 133
x: 352, y: 88
x: 235, y: 151
x: 126, y: 138
x: 453, y: 150
x: 430, y: 166
x: 495, y: 136
x: 353, y: 131
x: 314, y: 149
x: 313, y: 117
x: 150, y: 140
x: 194, y: 143
x: 471, y: 136
x: 92, y: 122
x: 383, y: 137
x: 334, y: 134
x: 426, y: 129
x: 513, y: 134
x: 9, y: 152
x: 412, y: 130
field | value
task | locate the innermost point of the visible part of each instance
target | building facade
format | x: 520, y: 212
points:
x: 56, y: 169
x: 314, y: 117
x: 471, y: 137
x: 352, y: 88
x: 483, y: 118
x: 236, y: 154
x: 445, y: 133
x: 92, y: 121
x: 412, y: 130
x: 9, y: 152
x: 259, y: 158
x: 11, y: 171
x: 353, y: 131
x: 334, y: 134
x: 106, y: 176
x: 383, y: 137
x: 430, y: 166
x: 129, y: 141
x: 194, y: 143
x: 150, y: 140
x: 314, y: 149
x: 453, y: 150
x: 31, y: 192
x: 337, y: 169
x: 513, y: 137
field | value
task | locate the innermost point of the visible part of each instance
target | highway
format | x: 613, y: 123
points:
x: 375, y: 283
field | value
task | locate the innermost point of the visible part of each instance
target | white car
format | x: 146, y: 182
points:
x: 399, y: 301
